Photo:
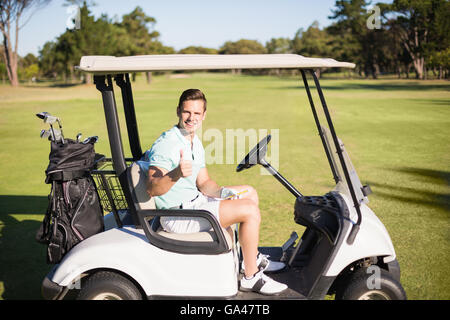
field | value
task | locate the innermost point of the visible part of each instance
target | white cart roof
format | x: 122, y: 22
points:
x: 112, y: 65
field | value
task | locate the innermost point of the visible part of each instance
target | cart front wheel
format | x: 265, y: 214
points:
x: 105, y: 285
x: 365, y: 285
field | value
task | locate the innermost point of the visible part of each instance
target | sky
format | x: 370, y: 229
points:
x: 189, y: 23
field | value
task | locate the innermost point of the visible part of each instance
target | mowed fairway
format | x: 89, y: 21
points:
x: 396, y: 132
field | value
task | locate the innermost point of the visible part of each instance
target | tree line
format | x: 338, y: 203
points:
x: 398, y: 38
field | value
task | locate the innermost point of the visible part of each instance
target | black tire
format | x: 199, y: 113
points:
x: 105, y: 285
x: 356, y: 287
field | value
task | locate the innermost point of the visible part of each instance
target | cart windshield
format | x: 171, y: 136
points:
x: 336, y: 167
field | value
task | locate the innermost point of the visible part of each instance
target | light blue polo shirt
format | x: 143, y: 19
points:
x: 165, y: 153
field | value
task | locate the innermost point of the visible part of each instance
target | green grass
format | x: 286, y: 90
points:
x: 397, y: 133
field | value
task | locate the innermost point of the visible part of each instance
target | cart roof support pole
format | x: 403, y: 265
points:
x: 316, y: 119
x: 355, y: 227
x: 105, y: 86
x: 130, y: 115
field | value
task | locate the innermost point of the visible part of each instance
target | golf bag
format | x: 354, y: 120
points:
x: 74, y: 211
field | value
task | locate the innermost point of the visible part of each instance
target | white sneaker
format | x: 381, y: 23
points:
x: 261, y: 283
x: 264, y: 264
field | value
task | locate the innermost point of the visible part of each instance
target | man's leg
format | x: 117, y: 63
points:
x: 249, y: 231
x: 245, y: 212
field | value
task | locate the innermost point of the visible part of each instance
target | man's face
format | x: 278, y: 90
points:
x: 191, y: 115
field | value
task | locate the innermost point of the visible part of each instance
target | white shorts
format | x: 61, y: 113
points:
x: 193, y: 224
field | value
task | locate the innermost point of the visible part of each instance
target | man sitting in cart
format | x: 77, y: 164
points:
x: 178, y: 178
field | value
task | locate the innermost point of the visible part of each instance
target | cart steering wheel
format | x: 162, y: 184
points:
x: 255, y: 155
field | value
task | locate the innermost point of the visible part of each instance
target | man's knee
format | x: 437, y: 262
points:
x: 251, y: 212
x: 252, y: 194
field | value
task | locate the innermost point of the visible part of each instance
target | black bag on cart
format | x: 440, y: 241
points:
x: 74, y: 212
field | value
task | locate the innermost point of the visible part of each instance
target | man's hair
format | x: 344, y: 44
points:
x: 192, y: 94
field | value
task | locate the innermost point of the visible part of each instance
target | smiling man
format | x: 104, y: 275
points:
x: 178, y: 178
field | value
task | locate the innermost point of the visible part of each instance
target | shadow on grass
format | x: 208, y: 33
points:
x: 422, y: 197
x: 441, y: 102
x: 385, y: 86
x: 23, y: 263
x: 376, y: 86
x: 52, y: 85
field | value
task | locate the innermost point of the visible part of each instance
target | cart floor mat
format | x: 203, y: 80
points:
x: 290, y: 277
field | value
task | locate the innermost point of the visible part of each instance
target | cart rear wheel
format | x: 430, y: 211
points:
x: 105, y: 285
x: 362, y: 285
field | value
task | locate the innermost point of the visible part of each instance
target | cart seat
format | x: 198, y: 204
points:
x: 143, y: 202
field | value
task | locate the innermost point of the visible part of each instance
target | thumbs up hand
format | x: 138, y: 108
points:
x: 185, y: 166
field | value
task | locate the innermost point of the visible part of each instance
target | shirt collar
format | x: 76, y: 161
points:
x: 181, y: 137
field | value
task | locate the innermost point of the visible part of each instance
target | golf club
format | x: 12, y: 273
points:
x: 53, y: 135
x: 48, y: 118
x: 91, y: 139
x: 41, y: 115
x: 44, y: 134
x: 45, y: 116
x: 60, y: 128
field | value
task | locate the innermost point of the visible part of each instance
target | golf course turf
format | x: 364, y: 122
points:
x: 397, y: 133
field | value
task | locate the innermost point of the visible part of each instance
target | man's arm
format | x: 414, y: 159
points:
x: 206, y: 185
x: 161, y: 180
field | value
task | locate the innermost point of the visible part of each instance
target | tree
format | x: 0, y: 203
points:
x: 138, y: 25
x: 142, y: 37
x: 28, y: 60
x: 99, y: 36
x: 242, y: 46
x: 3, y: 73
x: 313, y: 42
x: 437, y: 51
x: 197, y: 50
x: 441, y: 61
x: 47, y: 60
x: 351, y: 24
x: 28, y: 67
x: 422, y: 26
x: 279, y: 45
x: 30, y: 72
x: 393, y: 56
x: 11, y: 12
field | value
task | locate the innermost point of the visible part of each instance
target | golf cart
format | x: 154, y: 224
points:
x: 345, y: 250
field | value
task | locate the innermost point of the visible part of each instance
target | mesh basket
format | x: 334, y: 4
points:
x: 108, y: 187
